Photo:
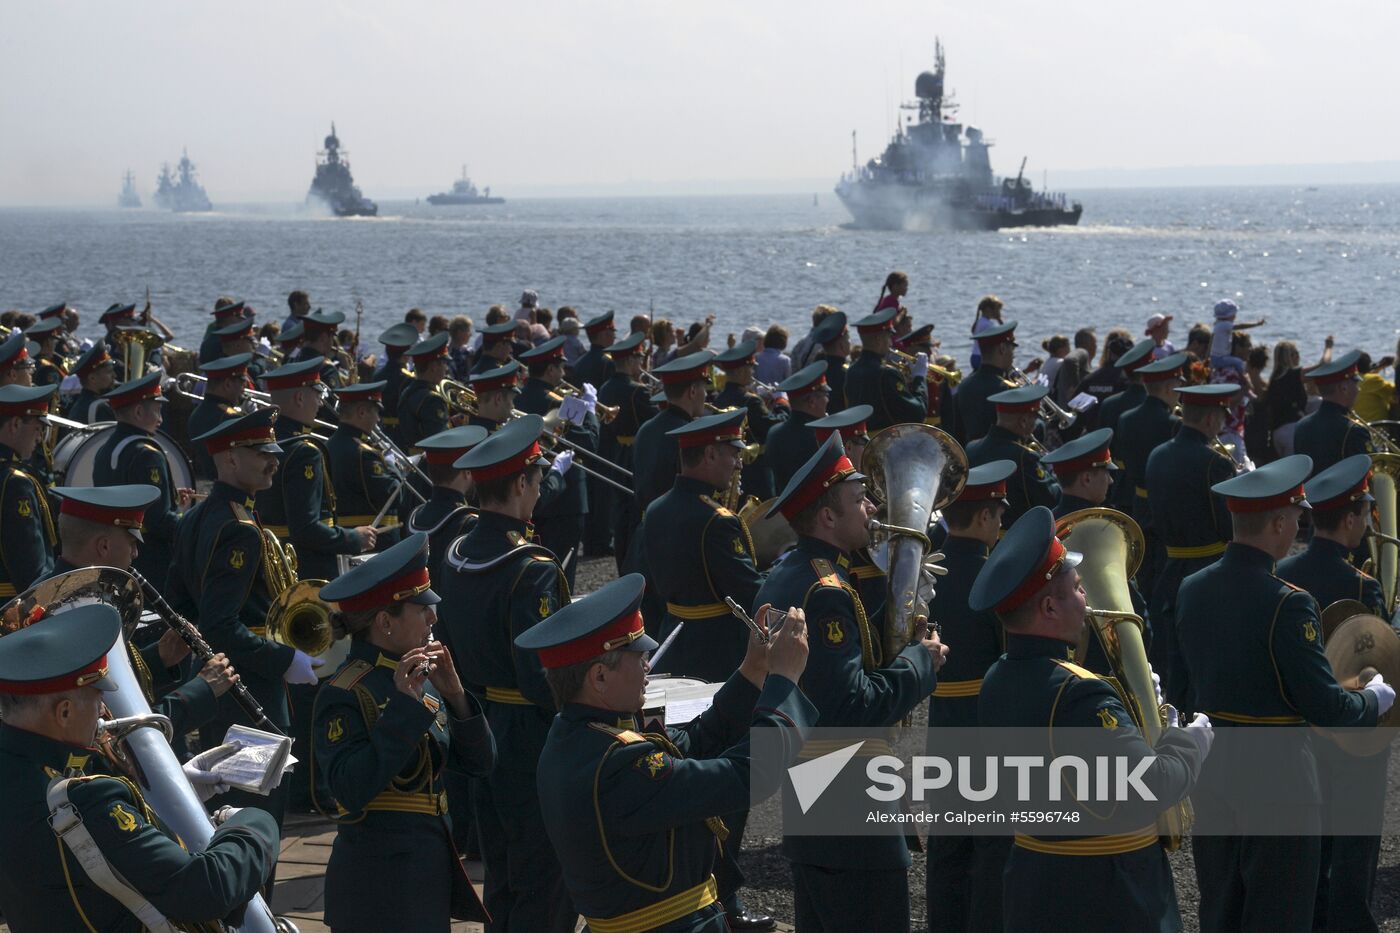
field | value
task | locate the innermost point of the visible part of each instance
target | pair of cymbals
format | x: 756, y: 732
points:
x: 1358, y: 646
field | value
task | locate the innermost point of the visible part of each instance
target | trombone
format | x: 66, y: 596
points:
x: 1050, y: 410
x: 554, y: 428
x: 606, y: 413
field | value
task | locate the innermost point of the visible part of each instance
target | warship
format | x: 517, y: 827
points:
x: 179, y: 191
x: 464, y: 192
x: 128, y: 197
x: 937, y: 174
x: 333, y: 185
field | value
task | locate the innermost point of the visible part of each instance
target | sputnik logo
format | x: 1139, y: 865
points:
x: 811, y: 778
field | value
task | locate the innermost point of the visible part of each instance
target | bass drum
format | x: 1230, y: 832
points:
x: 75, y: 457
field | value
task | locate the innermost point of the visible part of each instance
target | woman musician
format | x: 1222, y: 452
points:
x: 387, y: 724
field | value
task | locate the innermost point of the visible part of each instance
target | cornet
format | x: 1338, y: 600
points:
x: 1049, y: 409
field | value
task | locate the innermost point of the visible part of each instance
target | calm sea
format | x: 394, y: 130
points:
x: 1313, y: 261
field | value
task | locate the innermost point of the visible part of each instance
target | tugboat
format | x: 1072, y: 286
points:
x: 333, y: 185
x: 936, y: 174
x: 181, y: 191
x: 129, y: 197
x: 464, y: 192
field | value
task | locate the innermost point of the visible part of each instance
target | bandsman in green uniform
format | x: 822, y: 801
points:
x: 97, y: 373
x: 645, y: 863
x: 1341, y: 505
x: 60, y: 812
x: 132, y: 455
x: 1030, y: 582
x: 447, y: 514
x: 390, y: 724
x: 609, y: 533
x: 225, y: 313
x: 854, y: 882
x: 1251, y: 657
x: 655, y: 457
x: 832, y: 338
x: 16, y: 366
x: 495, y: 586
x: 496, y: 391
x: 116, y: 316
x: 1330, y: 434
x: 396, y: 340
x: 866, y: 575
x: 1192, y: 521
x: 1012, y: 438
x: 496, y: 345
x: 1084, y: 469
x: 595, y: 366
x: 336, y: 371
x: 27, y: 534
x: 364, y: 480
x: 792, y: 443
x: 224, y: 390
x: 1116, y: 405
x: 873, y: 381
x: 48, y: 365
x: 738, y: 367
x: 964, y: 878
x: 237, y: 337
x: 975, y: 412
x: 422, y: 410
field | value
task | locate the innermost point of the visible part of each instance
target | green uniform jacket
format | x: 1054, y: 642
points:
x: 757, y: 477
x: 631, y: 814
x: 27, y: 534
x: 443, y: 518
x: 538, y: 398
x: 1329, y: 436
x: 976, y: 415
x: 217, y: 581
x: 871, y: 381
x: 89, y: 408
x: 1031, y: 485
x: 208, y: 415
x: 698, y: 553
x: 300, y: 505
x: 395, y: 378
x: 1325, y: 571
x: 383, y: 754
x: 363, y: 483
x: 422, y: 413
x: 846, y: 680
x: 131, y: 455
x: 790, y: 445
x: 594, y: 366
x: 975, y: 639
x: 44, y: 888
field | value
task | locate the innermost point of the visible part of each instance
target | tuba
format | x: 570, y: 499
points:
x: 915, y: 469
x: 136, y: 738
x: 136, y: 344
x: 1385, y: 474
x: 771, y: 536
x: 1113, y: 548
x: 298, y: 617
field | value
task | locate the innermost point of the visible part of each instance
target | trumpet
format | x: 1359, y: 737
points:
x: 1050, y: 410
x: 461, y: 399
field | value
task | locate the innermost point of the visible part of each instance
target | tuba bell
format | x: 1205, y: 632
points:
x: 915, y: 469
x: 136, y: 344
x: 298, y: 617
x: 1385, y: 474
x: 1113, y: 549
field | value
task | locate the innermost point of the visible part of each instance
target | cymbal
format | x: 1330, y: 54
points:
x: 1337, y: 613
x: 1361, y: 644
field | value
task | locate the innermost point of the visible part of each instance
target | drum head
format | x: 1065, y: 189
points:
x: 79, y: 465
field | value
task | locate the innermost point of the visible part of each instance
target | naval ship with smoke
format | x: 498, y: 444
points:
x: 129, y: 198
x: 180, y: 191
x: 334, y: 187
x: 937, y: 174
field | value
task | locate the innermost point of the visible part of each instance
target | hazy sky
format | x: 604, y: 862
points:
x: 640, y: 95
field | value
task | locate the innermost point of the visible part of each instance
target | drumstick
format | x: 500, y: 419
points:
x: 388, y: 502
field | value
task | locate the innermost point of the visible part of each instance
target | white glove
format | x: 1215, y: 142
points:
x: 590, y: 396
x: 206, y: 783
x: 574, y: 410
x: 1157, y: 686
x: 69, y: 384
x: 302, y: 670
x: 1385, y: 694
x: 919, y: 369
x: 563, y: 461
x: 221, y: 815
x: 1202, y: 732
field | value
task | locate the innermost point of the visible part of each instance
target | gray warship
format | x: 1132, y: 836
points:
x: 464, y: 192
x: 128, y: 198
x: 333, y: 185
x: 180, y: 191
x: 937, y: 174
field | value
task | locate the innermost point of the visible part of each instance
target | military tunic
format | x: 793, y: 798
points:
x: 300, y: 505
x: 44, y: 887
x: 495, y: 586
x: 646, y: 860
x: 363, y: 483
x: 1141, y: 431
x: 422, y: 413
x: 208, y: 415
x: 871, y: 381
x: 963, y: 881
x: 27, y: 534
x: 757, y: 477
x: 699, y: 553
x: 383, y: 755
x: 593, y: 367
x: 1194, y: 525
x: 634, y: 409
x: 89, y: 408
x: 1033, y: 686
x: 790, y: 445
x: 443, y: 518
x: 1031, y: 485
x: 1265, y: 667
x: 976, y: 415
x: 395, y: 379
x: 854, y: 882
x: 1329, y: 436
x: 211, y: 346
x: 131, y: 455
x: 48, y: 370
x: 835, y: 376
x: 1121, y: 496
x: 559, y: 521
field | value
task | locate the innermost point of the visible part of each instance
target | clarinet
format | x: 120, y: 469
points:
x: 201, y: 650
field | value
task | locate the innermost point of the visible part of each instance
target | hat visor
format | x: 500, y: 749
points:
x: 1111, y: 466
x: 1304, y: 504
x: 425, y: 598
x: 852, y: 476
x: 105, y: 684
x: 1073, y: 558
x: 644, y: 643
x: 136, y: 533
x: 736, y: 442
x: 543, y: 461
x: 271, y: 448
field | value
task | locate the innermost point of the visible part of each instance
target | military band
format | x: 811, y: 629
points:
x: 385, y: 557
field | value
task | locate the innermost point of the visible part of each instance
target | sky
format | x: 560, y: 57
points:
x: 616, y: 97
